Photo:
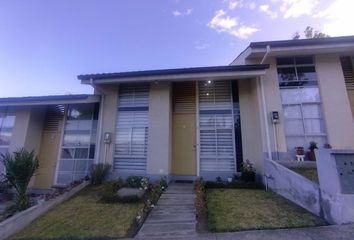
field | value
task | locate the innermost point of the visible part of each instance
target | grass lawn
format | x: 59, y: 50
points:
x: 83, y: 217
x: 309, y: 173
x: 245, y: 209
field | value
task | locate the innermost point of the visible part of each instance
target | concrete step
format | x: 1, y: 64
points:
x: 164, y: 218
x: 180, y: 196
x: 167, y: 230
x: 172, y: 211
x: 176, y: 203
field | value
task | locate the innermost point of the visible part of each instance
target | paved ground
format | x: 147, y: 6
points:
x: 174, y: 216
x: 344, y: 232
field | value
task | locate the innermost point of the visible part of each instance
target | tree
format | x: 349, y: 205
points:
x: 309, y: 32
x: 20, y: 167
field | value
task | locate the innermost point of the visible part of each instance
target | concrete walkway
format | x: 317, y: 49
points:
x: 335, y: 232
x: 174, y: 217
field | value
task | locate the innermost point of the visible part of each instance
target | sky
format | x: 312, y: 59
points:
x: 45, y: 44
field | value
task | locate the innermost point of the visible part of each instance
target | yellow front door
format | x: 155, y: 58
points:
x: 47, y: 160
x: 184, y: 142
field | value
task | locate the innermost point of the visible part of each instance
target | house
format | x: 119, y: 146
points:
x: 184, y: 123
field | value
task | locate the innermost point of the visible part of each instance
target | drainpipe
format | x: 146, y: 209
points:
x: 265, y: 115
x: 266, y: 54
x: 100, y: 123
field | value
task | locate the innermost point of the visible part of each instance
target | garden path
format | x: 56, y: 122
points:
x: 174, y: 216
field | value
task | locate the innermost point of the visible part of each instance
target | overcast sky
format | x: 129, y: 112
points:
x: 45, y: 44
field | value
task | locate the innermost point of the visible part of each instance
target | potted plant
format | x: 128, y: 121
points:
x: 300, y: 151
x: 327, y: 146
x: 248, y: 173
x: 311, y: 154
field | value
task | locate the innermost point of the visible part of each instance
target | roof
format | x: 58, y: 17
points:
x: 175, y: 71
x: 47, y: 100
x: 313, y: 46
x: 303, y: 42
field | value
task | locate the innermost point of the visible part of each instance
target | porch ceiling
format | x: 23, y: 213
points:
x: 181, y: 74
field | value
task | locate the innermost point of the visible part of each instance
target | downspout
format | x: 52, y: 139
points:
x: 265, y: 115
x: 100, y: 123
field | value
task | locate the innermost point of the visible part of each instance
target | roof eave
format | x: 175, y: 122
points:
x: 24, y: 102
x: 256, y: 52
x: 182, y: 77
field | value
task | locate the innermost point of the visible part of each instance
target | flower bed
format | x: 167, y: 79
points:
x: 200, y: 205
x: 152, y: 194
x: 21, y: 219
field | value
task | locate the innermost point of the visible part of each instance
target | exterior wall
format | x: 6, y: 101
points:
x: 35, y: 128
x: 273, y: 103
x: 252, y: 142
x: 108, y: 114
x: 332, y: 87
x: 160, y: 128
x: 18, y: 138
x: 336, y: 106
x: 27, y: 131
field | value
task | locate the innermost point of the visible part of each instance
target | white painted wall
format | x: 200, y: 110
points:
x: 35, y: 128
x: 251, y: 129
x: 109, y: 111
x: 19, y: 131
x: 159, y: 139
x: 337, y: 110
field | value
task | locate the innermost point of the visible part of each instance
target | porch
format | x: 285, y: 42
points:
x: 61, y: 130
x: 182, y: 123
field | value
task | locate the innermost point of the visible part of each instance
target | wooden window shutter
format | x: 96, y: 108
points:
x: 184, y: 97
x: 348, y: 71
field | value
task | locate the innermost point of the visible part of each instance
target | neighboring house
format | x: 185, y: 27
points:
x: 190, y: 122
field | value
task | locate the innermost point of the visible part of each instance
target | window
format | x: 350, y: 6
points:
x: 216, y: 124
x: 132, y: 128
x: 79, y: 141
x: 300, y: 96
x: 7, y: 123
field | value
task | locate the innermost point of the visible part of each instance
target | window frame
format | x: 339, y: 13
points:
x: 306, y: 135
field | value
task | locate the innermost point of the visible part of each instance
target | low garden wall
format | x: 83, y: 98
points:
x: 20, y: 220
x: 332, y: 199
x: 293, y: 186
x: 336, y: 175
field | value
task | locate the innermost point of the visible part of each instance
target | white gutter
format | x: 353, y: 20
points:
x: 265, y: 112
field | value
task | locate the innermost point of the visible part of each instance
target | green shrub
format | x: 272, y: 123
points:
x: 110, y: 190
x: 99, y: 173
x: 163, y: 183
x: 154, y: 192
x: 137, y: 182
x: 20, y: 167
x: 134, y: 181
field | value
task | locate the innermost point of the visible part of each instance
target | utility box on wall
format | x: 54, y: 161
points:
x: 336, y: 177
x: 345, y: 169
